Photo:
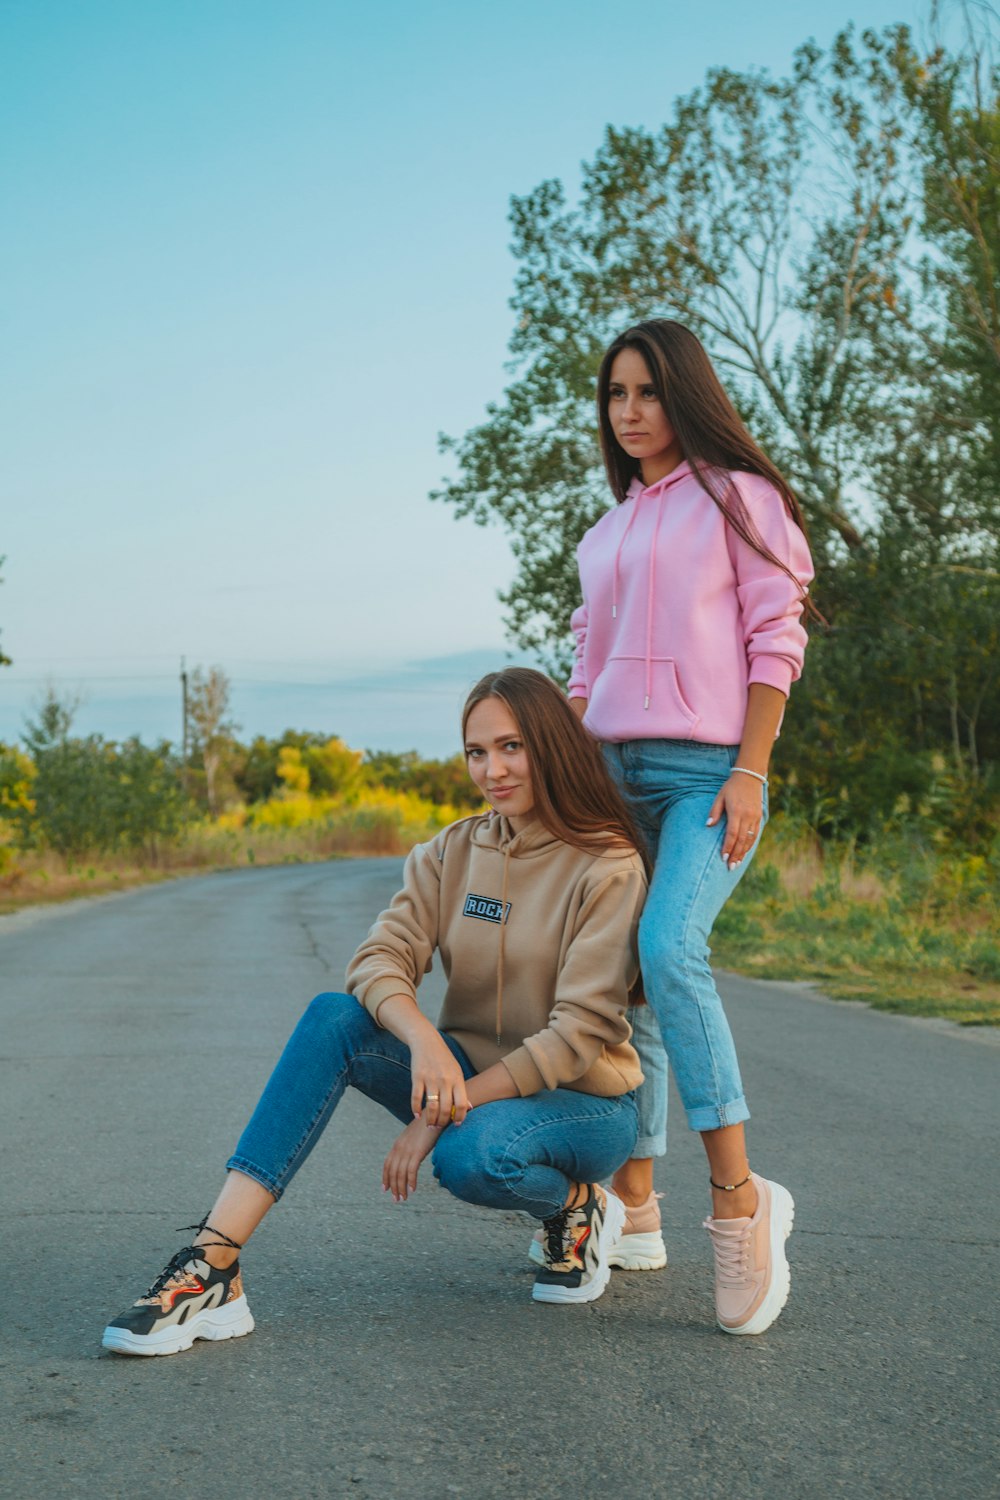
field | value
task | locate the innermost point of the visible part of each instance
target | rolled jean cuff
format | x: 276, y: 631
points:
x: 650, y: 1145
x: 240, y: 1164
x: 717, y: 1116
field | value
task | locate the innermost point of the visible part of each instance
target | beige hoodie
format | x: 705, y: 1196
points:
x: 545, y: 989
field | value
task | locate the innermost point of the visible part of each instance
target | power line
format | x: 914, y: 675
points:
x: 352, y: 686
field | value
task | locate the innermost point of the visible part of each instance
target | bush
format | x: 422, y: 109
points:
x: 148, y: 800
x: 91, y: 795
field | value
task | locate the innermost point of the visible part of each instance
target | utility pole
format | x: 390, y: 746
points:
x: 184, y: 711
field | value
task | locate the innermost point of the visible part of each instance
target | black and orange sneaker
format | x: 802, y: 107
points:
x: 576, y: 1245
x: 188, y: 1300
x: 640, y: 1247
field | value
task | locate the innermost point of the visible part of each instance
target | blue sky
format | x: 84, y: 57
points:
x: 256, y: 259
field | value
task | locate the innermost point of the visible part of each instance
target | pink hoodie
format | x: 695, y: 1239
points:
x: 680, y: 615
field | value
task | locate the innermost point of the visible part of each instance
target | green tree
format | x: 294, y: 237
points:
x: 256, y: 772
x: 74, y: 796
x: 832, y: 236
x: 17, y: 775
x: 52, y: 725
x: 712, y: 219
x: 150, y: 807
x: 334, y: 768
x: 443, y: 782
x: 926, y: 594
x: 72, y: 787
x: 87, y: 795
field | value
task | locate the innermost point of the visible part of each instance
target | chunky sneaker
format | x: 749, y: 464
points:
x: 188, y: 1300
x: 641, y: 1246
x: 751, y: 1272
x: 576, y: 1247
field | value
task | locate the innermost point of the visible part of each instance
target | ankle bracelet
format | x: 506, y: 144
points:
x: 730, y: 1187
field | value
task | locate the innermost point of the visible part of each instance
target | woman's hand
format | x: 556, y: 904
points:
x: 742, y: 802
x: 399, y: 1173
x: 436, y: 1075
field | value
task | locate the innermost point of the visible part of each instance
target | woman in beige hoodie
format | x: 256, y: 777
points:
x: 523, y: 1093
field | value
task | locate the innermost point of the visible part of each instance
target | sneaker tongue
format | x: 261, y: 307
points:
x: 735, y: 1225
x: 193, y: 1266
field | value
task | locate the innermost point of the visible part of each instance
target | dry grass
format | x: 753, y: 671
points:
x: 30, y: 879
x: 40, y: 880
x: 903, y: 928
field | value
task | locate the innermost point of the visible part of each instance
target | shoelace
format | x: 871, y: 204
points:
x: 732, y: 1251
x: 177, y: 1264
x: 555, y: 1234
x: 224, y: 1242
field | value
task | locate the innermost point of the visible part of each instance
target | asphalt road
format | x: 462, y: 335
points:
x: 397, y: 1350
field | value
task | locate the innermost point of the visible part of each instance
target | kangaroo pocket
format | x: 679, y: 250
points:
x: 618, y: 709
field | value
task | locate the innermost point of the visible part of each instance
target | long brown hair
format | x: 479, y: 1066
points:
x: 576, y: 798
x: 710, y: 431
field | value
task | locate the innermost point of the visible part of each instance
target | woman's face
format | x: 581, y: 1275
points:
x: 637, y: 418
x: 498, y: 760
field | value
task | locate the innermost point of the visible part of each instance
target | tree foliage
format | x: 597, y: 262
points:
x: 833, y: 238
x: 328, y: 769
x: 443, y: 782
x: 87, y: 795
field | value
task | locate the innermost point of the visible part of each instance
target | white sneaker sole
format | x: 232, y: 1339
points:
x: 782, y: 1219
x: 231, y: 1321
x: 614, y: 1218
x: 639, y: 1252
x: 633, y: 1252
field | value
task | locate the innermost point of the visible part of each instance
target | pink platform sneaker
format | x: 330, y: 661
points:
x: 641, y: 1246
x: 751, y: 1272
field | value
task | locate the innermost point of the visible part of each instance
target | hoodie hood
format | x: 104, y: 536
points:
x: 493, y: 831
x: 637, y: 488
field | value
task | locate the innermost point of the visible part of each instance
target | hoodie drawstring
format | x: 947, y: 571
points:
x: 651, y: 593
x: 614, y: 575
x: 503, y: 928
x: 651, y: 584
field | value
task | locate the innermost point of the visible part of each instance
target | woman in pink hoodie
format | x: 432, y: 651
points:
x: 688, y: 640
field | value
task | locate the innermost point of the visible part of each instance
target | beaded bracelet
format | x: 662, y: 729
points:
x: 755, y: 774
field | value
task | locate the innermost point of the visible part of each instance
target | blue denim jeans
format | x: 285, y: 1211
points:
x: 670, y: 786
x: 510, y: 1154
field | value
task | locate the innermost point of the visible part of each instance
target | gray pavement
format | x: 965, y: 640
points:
x: 397, y: 1350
